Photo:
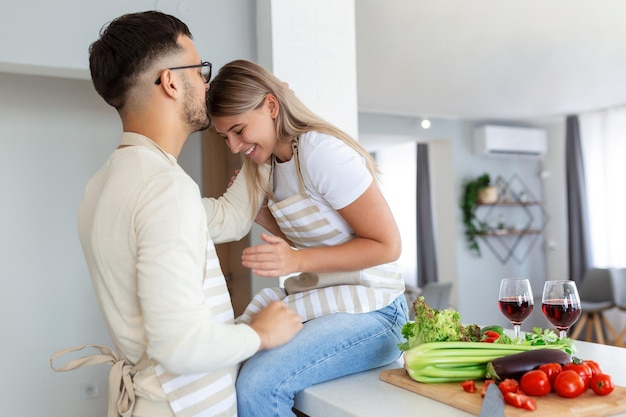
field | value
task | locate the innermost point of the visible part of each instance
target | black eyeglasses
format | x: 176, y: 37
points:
x: 205, y: 71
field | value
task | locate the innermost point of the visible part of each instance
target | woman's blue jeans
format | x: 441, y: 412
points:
x: 327, y: 347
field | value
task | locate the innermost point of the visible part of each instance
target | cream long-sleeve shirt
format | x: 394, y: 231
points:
x: 143, y: 228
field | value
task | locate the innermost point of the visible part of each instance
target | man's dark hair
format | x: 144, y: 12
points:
x: 127, y: 46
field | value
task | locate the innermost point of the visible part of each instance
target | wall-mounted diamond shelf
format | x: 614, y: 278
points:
x: 515, y: 223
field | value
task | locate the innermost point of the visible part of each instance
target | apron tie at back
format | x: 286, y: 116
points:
x: 121, y: 391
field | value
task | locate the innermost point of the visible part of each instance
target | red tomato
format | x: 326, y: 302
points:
x: 581, y: 369
x: 520, y: 401
x: 593, y: 365
x: 490, y: 336
x: 508, y: 385
x: 601, y: 384
x: 469, y: 385
x: 535, y: 383
x: 569, y: 384
x: 483, y: 390
x: 551, y: 370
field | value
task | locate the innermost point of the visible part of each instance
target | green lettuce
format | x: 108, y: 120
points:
x: 433, y: 325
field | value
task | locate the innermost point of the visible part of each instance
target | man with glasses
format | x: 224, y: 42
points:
x: 145, y: 232
x: 205, y: 71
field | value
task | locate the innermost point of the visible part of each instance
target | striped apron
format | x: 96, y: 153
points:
x: 316, y: 294
x: 212, y: 393
x: 197, y: 395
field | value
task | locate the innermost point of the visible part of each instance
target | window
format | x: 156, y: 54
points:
x: 603, y: 141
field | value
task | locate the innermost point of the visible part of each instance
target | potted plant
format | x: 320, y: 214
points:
x: 476, y: 191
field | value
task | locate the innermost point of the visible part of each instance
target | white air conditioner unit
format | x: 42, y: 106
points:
x: 506, y: 141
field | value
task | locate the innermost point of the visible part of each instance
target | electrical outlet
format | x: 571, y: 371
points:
x: 89, y: 390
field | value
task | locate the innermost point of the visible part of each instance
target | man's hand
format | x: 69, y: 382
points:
x: 276, y: 325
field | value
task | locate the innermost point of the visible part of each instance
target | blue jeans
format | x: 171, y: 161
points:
x: 327, y: 347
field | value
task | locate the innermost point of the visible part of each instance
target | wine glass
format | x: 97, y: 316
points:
x: 561, y: 304
x: 516, y: 301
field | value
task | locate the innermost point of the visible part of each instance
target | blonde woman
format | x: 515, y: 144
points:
x: 330, y: 223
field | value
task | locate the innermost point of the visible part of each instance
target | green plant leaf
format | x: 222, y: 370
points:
x: 469, y: 203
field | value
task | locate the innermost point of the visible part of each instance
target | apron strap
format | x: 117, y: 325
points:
x: 121, y: 391
x: 295, y: 154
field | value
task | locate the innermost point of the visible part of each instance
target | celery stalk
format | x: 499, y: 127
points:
x: 457, y: 361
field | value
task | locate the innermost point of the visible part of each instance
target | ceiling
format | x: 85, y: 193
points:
x: 490, y: 59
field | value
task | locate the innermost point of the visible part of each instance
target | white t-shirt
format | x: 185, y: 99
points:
x: 334, y: 174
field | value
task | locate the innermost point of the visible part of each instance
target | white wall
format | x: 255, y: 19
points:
x: 313, y: 48
x: 54, y: 133
x: 52, y: 37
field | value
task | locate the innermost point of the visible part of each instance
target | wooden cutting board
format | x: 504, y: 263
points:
x: 587, y: 405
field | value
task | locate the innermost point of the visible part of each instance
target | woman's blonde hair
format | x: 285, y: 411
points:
x: 241, y: 86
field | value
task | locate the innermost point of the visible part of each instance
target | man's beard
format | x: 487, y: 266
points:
x: 196, y: 115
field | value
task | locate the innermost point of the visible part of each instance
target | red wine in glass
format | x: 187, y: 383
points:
x: 516, y: 309
x: 560, y: 304
x: 561, y: 313
x: 516, y: 301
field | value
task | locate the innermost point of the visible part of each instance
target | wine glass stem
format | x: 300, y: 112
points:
x: 516, y: 329
x: 562, y: 334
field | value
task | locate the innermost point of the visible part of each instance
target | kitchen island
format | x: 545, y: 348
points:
x: 365, y: 395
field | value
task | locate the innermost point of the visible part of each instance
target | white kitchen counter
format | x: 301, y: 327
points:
x: 365, y: 395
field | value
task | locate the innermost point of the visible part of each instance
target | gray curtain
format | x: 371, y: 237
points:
x: 426, y: 252
x: 578, y: 221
